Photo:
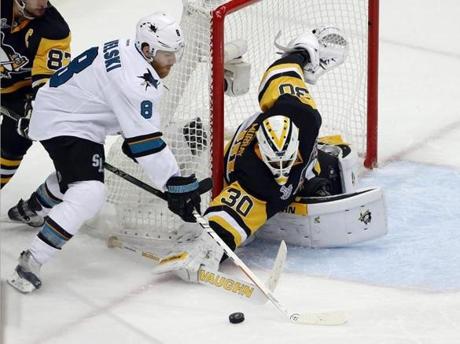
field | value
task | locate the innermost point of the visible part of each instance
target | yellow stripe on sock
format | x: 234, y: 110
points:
x: 10, y: 163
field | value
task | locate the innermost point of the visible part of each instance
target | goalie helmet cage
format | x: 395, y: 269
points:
x: 346, y: 96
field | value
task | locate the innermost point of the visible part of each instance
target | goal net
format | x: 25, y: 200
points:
x: 196, y: 115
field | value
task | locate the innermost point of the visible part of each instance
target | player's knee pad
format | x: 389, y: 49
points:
x: 89, y: 195
x: 81, y: 202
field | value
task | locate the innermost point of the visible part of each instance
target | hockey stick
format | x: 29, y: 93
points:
x: 4, y: 111
x: 329, y: 318
x: 134, y: 180
x: 214, y: 279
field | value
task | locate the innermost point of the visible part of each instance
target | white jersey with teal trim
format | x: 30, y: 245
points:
x: 107, y: 90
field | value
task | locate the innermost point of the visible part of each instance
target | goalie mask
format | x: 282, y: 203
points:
x: 278, y: 140
x: 161, y: 33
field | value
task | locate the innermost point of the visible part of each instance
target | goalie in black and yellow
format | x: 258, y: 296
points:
x: 275, y: 162
x: 35, y: 42
x: 280, y: 176
x: 274, y: 151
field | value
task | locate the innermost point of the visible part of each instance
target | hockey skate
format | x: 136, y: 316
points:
x: 25, y: 212
x: 26, y: 277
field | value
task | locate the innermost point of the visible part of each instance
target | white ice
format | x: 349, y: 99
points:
x: 400, y: 289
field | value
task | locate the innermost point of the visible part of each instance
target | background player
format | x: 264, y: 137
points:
x: 113, y: 88
x: 35, y: 42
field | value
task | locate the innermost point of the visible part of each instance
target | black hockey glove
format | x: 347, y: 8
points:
x: 127, y: 151
x: 22, y: 127
x: 183, y: 195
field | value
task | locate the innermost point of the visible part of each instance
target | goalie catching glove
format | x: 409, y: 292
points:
x: 183, y: 195
x: 326, y: 48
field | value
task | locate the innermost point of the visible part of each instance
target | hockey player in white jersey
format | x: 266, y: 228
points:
x: 110, y: 89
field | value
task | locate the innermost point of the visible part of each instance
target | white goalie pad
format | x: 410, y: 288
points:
x: 237, y: 72
x: 194, y: 256
x: 183, y: 251
x: 332, y: 221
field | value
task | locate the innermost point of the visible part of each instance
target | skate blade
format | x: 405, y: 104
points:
x: 20, y: 284
x: 6, y: 219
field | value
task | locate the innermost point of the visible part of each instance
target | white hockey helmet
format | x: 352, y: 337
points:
x: 278, y: 140
x: 160, y: 32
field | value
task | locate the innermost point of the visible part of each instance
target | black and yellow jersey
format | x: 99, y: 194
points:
x: 251, y: 194
x: 285, y: 76
x: 282, y: 92
x: 31, y: 50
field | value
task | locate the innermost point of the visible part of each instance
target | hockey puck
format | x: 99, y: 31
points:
x: 236, y: 318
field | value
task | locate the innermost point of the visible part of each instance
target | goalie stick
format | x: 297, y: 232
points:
x: 326, y: 318
x: 215, y: 279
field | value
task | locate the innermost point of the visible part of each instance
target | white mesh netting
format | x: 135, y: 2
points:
x: 340, y: 94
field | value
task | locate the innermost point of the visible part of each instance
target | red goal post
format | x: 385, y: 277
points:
x: 217, y: 101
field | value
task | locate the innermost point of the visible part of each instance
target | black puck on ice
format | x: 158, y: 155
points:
x: 236, y: 318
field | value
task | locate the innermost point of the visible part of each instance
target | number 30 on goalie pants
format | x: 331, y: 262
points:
x: 331, y: 221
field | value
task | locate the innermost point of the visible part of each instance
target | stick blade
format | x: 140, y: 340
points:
x: 324, y: 319
x: 278, y: 267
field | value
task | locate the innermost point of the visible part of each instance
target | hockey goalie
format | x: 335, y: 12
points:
x: 283, y: 182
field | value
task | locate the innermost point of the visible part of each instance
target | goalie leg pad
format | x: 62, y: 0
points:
x: 332, y: 221
x: 183, y: 254
x: 204, y: 253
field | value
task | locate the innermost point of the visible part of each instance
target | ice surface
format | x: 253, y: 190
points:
x: 422, y: 247
x: 403, y: 288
